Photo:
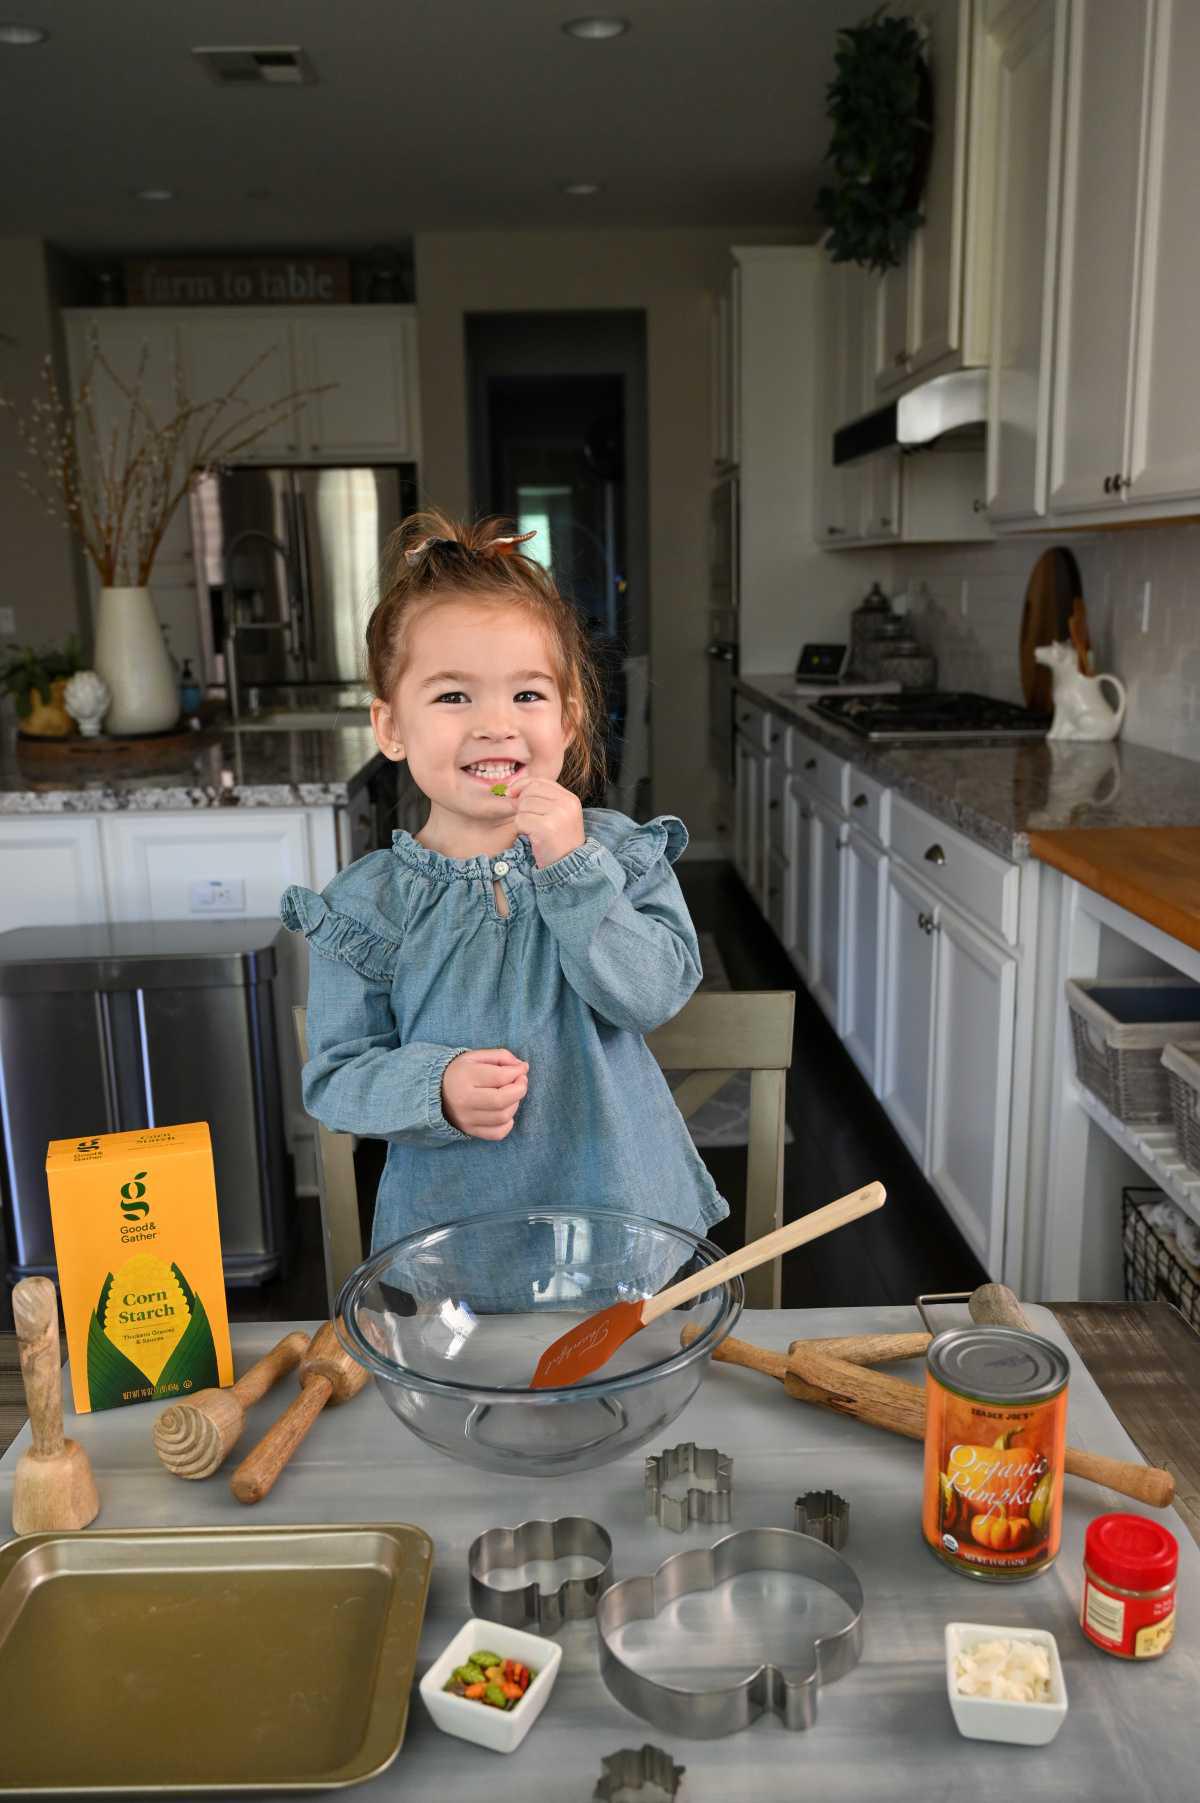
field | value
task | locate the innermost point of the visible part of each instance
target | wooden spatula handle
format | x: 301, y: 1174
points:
x: 255, y: 1477
x: 797, y: 1233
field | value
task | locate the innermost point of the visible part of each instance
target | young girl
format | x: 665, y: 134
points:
x: 478, y: 993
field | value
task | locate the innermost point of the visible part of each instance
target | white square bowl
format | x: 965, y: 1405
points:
x: 502, y: 1730
x: 995, y: 1718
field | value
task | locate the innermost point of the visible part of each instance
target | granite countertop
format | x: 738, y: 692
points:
x: 998, y: 794
x: 314, y: 769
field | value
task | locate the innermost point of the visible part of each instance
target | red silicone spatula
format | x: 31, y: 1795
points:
x: 589, y: 1345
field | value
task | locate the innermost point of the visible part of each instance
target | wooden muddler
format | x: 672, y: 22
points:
x: 327, y: 1375
x: 53, y: 1486
x: 194, y: 1438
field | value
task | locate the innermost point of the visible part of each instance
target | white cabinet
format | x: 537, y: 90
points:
x: 825, y: 926
x: 975, y: 989
x: 798, y: 836
x: 53, y: 875
x: 908, y: 1018
x: 152, y: 860
x: 240, y: 349
x: 1107, y: 71
x: 1028, y: 45
x: 748, y: 850
x: 864, y: 923
x: 726, y: 372
x: 369, y: 356
x: 889, y: 328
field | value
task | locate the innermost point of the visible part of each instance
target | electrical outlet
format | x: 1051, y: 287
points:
x: 8, y: 622
x: 218, y: 895
x: 1146, y: 605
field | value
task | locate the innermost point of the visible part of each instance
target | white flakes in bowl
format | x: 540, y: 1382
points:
x: 1011, y: 1671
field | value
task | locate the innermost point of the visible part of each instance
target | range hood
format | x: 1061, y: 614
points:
x: 954, y: 403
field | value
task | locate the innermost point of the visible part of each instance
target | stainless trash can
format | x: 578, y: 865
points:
x: 108, y: 1028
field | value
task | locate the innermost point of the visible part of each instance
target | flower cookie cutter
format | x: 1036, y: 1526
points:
x: 712, y: 1506
x: 634, y: 1767
x: 825, y: 1515
x: 724, y: 1709
x: 545, y: 1611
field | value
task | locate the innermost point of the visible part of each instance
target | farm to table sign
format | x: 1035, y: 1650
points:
x: 236, y: 281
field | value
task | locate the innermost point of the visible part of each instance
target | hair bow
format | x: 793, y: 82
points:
x: 500, y: 547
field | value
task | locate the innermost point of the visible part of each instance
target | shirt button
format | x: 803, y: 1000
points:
x: 500, y: 868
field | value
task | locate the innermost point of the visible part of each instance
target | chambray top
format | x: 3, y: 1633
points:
x: 415, y: 963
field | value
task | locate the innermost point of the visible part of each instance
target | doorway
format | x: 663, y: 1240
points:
x: 558, y: 444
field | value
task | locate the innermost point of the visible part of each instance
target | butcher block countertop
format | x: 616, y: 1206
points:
x: 1154, y: 871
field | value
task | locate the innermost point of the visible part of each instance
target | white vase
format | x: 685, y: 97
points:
x: 131, y: 656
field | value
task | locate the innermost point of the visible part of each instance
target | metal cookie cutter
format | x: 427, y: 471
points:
x: 632, y: 1768
x: 545, y: 1611
x: 824, y: 1515
x: 707, y: 1714
x: 689, y: 1460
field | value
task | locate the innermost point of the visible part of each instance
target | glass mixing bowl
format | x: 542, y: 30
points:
x: 451, y: 1321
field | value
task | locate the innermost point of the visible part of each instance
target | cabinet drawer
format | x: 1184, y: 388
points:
x: 870, y: 807
x: 829, y: 775
x: 981, y: 883
x: 776, y: 778
x: 751, y: 721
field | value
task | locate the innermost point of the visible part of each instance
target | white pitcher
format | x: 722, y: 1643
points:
x: 1080, y: 710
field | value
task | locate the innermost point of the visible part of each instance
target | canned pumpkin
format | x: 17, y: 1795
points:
x: 995, y: 1440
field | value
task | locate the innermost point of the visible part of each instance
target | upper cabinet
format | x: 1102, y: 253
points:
x: 932, y: 312
x: 363, y: 359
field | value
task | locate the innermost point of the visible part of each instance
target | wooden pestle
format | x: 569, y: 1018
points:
x: 53, y: 1486
x: 327, y: 1375
x: 195, y: 1437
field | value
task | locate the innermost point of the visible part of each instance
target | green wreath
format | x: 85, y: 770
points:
x: 881, y: 109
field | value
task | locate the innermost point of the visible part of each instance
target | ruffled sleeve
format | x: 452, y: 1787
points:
x: 665, y: 836
x: 339, y: 936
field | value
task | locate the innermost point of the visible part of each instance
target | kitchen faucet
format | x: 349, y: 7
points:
x: 229, y: 606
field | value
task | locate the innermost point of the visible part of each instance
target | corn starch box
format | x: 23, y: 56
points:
x: 139, y: 1264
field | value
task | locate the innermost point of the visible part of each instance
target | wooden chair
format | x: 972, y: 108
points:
x: 712, y: 1036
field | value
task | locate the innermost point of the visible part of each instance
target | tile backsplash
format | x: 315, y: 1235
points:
x: 1142, y: 592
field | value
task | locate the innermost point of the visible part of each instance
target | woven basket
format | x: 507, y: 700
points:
x: 1182, y: 1063
x: 1120, y: 1027
x: 1155, y: 1268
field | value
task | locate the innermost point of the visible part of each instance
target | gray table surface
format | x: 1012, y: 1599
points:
x: 885, y: 1730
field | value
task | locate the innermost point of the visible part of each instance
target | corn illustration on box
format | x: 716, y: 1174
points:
x: 139, y: 1264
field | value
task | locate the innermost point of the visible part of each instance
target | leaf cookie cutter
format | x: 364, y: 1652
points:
x: 711, y: 1506
x: 545, y: 1611
x: 825, y: 1515
x: 724, y: 1709
x: 634, y: 1767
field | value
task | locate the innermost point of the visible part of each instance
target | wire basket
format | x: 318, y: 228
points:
x: 1182, y: 1063
x: 1155, y: 1269
x: 1120, y: 1026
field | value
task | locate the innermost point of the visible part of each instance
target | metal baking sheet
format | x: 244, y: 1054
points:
x: 207, y: 1661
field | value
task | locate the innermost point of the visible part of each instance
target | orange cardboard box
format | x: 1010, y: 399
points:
x: 139, y: 1265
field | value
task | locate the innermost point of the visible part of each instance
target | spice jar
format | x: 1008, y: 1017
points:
x: 1129, y: 1566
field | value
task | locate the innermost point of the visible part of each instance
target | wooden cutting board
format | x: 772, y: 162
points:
x: 1053, y: 586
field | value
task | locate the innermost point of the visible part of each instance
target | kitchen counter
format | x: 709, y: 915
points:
x: 1129, y: 1734
x: 1000, y: 793
x: 1152, y: 871
x: 312, y: 769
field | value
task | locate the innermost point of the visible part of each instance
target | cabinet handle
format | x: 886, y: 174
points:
x: 835, y: 531
x: 927, y: 923
x: 860, y: 801
x: 935, y: 855
x: 806, y: 813
x: 900, y: 359
x: 775, y: 737
x: 1108, y: 482
x: 1120, y: 482
x: 810, y: 763
x: 884, y: 520
x: 978, y: 506
x: 773, y: 804
x: 843, y: 845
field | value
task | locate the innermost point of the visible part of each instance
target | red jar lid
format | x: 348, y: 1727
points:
x: 1131, y: 1552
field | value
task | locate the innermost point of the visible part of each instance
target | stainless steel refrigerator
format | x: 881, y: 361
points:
x: 291, y: 560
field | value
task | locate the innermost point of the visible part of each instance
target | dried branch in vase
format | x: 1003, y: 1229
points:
x: 118, y: 493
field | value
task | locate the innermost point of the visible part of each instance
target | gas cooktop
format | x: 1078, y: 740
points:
x: 928, y: 714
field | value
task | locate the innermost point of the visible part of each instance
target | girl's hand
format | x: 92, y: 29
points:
x: 481, y: 1092
x: 550, y: 817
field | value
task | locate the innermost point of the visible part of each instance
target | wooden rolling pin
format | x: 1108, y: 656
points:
x: 53, y: 1486
x: 812, y: 1375
x: 327, y: 1375
x: 194, y: 1438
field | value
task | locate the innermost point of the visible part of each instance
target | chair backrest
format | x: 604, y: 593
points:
x: 713, y: 1035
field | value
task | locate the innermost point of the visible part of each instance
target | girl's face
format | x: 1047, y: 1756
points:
x: 477, y: 705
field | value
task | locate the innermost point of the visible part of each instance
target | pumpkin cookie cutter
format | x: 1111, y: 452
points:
x: 634, y: 1767
x: 713, y: 1506
x: 825, y: 1515
x: 545, y: 1611
x: 724, y: 1709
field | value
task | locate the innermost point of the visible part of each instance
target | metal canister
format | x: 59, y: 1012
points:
x: 995, y: 1442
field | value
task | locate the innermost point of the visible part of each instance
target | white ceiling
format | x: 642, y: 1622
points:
x: 428, y: 115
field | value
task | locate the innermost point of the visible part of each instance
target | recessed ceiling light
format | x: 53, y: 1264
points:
x: 598, y: 26
x: 581, y: 187
x: 153, y: 194
x: 21, y: 36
